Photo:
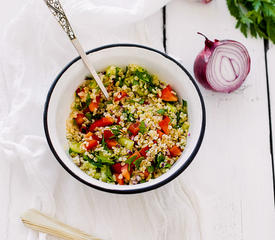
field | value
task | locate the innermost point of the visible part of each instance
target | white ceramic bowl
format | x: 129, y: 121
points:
x: 61, y: 93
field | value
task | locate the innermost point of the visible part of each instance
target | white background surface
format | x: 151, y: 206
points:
x: 231, y: 177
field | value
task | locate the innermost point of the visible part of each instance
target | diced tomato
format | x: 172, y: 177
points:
x: 91, y: 144
x: 164, y: 124
x: 80, y: 92
x: 79, y: 118
x: 118, y: 120
x: 111, y: 143
x: 125, y: 172
x: 121, y: 95
x: 77, y: 91
x: 119, y: 181
x: 85, y: 110
x: 146, y: 174
x: 109, y: 87
x: 102, y: 122
x: 175, y: 151
x: 144, y: 151
x: 160, y: 133
x: 89, y: 134
x: 134, y: 128
x: 106, y: 121
x: 94, y: 105
x: 167, y: 95
x: 95, y: 137
x: 116, y: 168
x: 107, y: 134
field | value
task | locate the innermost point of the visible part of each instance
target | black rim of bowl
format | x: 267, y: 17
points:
x: 144, y: 189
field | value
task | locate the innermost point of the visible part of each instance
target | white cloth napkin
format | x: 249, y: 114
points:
x: 33, y: 51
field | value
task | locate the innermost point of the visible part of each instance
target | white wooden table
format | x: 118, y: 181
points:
x: 234, y: 169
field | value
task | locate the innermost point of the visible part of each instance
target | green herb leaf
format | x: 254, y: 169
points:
x: 141, y: 101
x: 159, y: 159
x: 96, y: 164
x: 151, y: 169
x: 116, y: 130
x: 167, y: 165
x: 126, y: 71
x: 130, y: 160
x: 104, y: 144
x: 88, y: 100
x: 144, y: 76
x: 104, y: 159
x: 130, y: 116
x: 256, y: 16
x: 135, y: 82
x: 161, y: 111
x: 89, y: 116
x: 70, y: 151
x: 109, y: 174
x: 138, y: 161
x: 142, y: 127
x: 117, y: 76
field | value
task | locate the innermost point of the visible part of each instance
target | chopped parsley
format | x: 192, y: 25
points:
x: 256, y: 16
x: 161, y: 111
x: 159, y: 159
x: 88, y: 100
x: 96, y: 164
x: 116, y: 130
x: 141, y: 101
x: 138, y: 161
x: 130, y: 116
x: 151, y: 169
x: 89, y: 116
x: 130, y: 160
x: 104, y: 145
x: 142, y: 127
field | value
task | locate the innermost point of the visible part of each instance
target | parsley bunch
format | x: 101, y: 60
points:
x: 258, y: 16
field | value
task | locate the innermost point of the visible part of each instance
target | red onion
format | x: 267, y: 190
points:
x: 203, y: 1
x: 222, y: 66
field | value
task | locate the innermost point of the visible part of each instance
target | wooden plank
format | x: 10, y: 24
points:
x: 232, y: 174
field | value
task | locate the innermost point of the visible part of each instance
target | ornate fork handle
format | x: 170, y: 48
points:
x: 58, y: 12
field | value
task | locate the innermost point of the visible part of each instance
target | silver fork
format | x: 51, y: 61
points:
x: 59, y: 14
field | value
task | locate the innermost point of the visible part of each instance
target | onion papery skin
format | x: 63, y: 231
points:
x: 208, y: 65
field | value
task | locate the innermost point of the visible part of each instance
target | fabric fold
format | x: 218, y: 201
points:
x: 34, y: 50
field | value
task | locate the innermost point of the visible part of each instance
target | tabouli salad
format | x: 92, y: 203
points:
x: 134, y: 136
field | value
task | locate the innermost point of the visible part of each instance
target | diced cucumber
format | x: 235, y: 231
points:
x: 93, y: 84
x: 106, y: 174
x: 111, y: 70
x: 184, y: 106
x: 185, y: 126
x: 125, y: 142
x: 140, y: 92
x: 97, y: 175
x: 76, y: 147
x: 171, y: 108
x: 104, y: 159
